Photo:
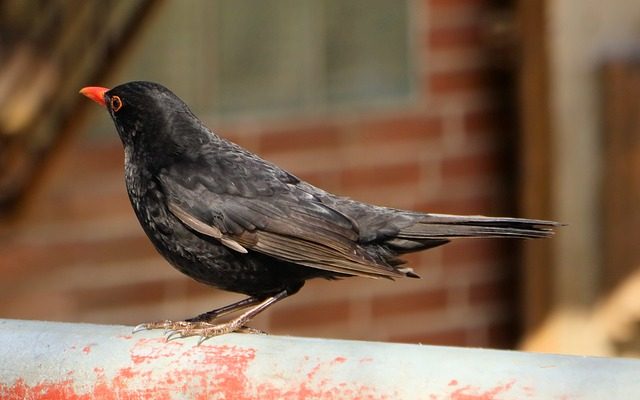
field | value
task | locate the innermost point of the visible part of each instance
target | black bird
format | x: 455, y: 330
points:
x: 229, y: 219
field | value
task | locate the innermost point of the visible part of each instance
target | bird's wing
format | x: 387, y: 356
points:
x: 271, y: 217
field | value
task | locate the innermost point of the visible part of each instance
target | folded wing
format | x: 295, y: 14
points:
x: 281, y: 222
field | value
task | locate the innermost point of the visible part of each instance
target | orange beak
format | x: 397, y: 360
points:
x: 95, y: 93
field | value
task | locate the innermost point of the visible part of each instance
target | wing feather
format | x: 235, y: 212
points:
x: 284, y: 224
x: 203, y: 228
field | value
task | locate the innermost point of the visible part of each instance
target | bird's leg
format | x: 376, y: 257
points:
x: 212, y: 315
x: 207, y: 330
x: 207, y: 317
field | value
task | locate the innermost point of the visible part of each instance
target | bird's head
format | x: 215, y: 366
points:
x: 139, y: 109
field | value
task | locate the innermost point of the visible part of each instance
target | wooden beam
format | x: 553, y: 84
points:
x: 621, y: 169
x: 535, y: 165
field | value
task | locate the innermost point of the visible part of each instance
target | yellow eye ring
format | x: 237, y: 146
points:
x: 116, y: 103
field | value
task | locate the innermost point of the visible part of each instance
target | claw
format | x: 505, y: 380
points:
x: 173, y: 334
x: 202, y: 339
x: 140, y: 328
x: 253, y: 331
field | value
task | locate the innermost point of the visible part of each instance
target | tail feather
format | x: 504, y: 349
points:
x: 442, y: 226
x: 425, y: 231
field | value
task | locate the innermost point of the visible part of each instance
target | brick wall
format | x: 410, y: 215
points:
x: 77, y: 253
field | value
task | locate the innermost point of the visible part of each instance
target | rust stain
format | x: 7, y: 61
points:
x: 473, y: 393
x: 321, y: 392
x: 43, y: 391
x: 126, y: 373
x: 217, y: 370
x: 529, y: 391
x: 314, y: 387
x: 146, y: 351
x: 213, y: 369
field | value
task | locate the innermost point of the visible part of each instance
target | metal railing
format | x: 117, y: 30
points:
x: 62, y: 360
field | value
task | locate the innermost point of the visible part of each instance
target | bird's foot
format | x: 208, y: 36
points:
x: 204, y: 326
x: 206, y: 330
x: 167, y: 325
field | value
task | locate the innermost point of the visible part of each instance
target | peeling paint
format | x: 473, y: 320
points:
x: 528, y: 391
x: 42, y: 391
x: 215, y: 372
x: 470, y: 392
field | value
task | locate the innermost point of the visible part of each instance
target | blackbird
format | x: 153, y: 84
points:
x: 229, y: 219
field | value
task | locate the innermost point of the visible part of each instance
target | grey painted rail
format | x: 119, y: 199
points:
x: 50, y: 360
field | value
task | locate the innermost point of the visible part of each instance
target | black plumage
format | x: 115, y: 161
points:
x: 232, y: 220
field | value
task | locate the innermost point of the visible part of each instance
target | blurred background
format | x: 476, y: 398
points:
x: 521, y: 108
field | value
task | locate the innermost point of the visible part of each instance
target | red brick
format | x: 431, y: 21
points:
x: 327, y: 180
x: 249, y: 142
x: 94, y: 158
x: 194, y: 289
x: 454, y: 37
x: 469, y: 165
x: 118, y: 295
x: 86, y: 206
x: 319, y: 313
x: 403, y: 303
x: 474, y: 250
x: 484, y: 120
x: 21, y: 260
x: 491, y: 292
x: 445, y: 13
x: 302, y: 138
x: 412, y: 259
x: 429, y: 205
x: 402, y: 195
x: 234, y: 136
x: 411, y: 128
x: 471, y: 205
x: 39, y: 305
x: 456, y: 3
x: 455, y: 81
x: 448, y: 12
x: 430, y: 262
x: 381, y: 176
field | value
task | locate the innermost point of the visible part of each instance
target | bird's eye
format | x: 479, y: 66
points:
x: 116, y: 103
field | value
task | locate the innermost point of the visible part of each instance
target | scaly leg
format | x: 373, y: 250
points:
x: 203, y: 325
x: 207, y: 317
x: 207, y: 330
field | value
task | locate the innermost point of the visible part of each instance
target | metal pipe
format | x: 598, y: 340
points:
x: 51, y: 360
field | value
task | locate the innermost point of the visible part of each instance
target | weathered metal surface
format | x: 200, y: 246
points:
x: 46, y: 360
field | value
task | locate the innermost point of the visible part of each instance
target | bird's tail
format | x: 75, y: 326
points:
x: 431, y: 230
x: 434, y: 226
